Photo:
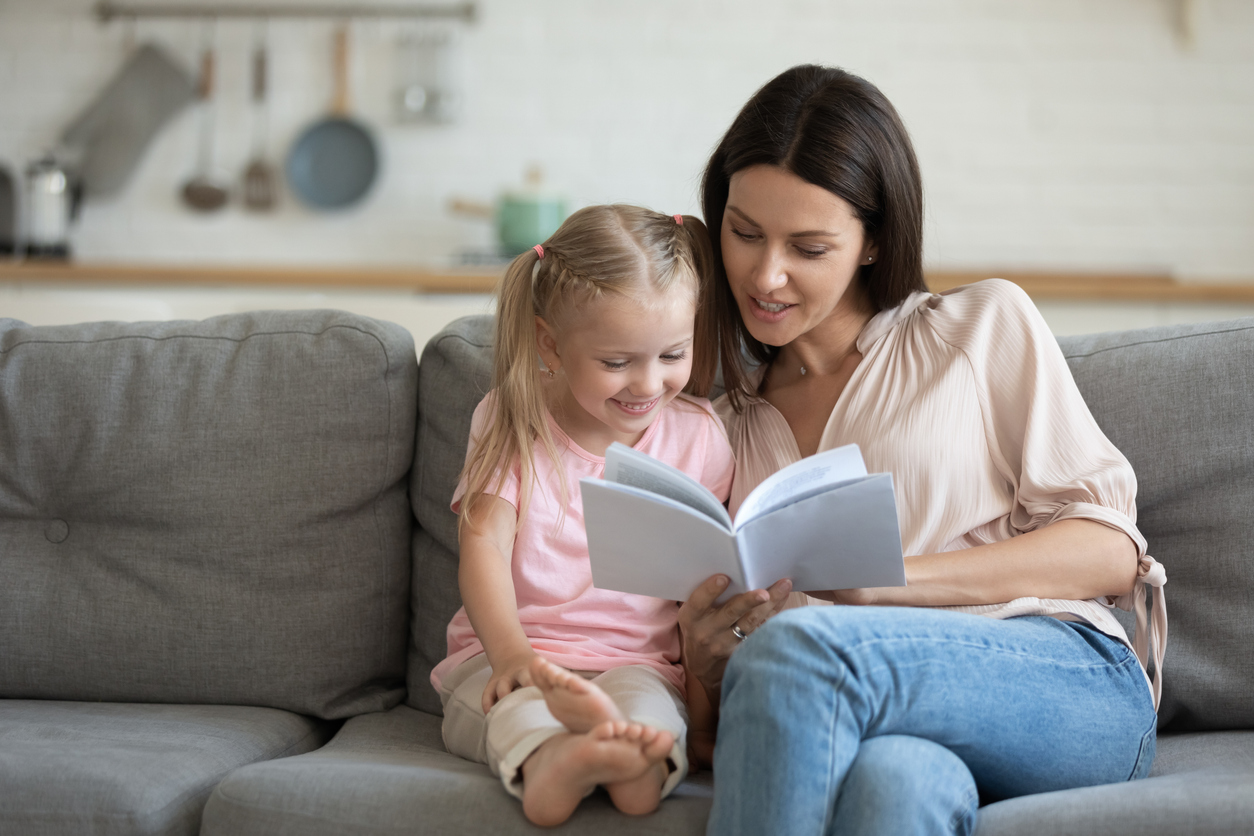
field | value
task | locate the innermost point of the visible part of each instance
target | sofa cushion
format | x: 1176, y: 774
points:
x: 1179, y: 402
x: 389, y: 774
x: 207, y: 512
x: 454, y: 375
x: 1200, y: 784
x: 70, y: 768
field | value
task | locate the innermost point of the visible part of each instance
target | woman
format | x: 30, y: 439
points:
x: 998, y: 670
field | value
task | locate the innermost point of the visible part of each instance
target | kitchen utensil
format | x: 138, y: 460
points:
x: 334, y: 161
x: 48, y: 204
x: 8, y: 213
x: 109, y: 137
x: 524, y: 217
x: 206, y: 191
x: 260, y: 188
x: 426, y: 89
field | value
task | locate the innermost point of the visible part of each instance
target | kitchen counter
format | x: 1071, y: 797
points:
x: 1039, y: 285
x: 418, y: 279
x: 425, y: 299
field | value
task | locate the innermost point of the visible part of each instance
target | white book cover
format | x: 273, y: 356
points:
x: 823, y: 521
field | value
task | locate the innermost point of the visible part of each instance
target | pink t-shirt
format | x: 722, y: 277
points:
x: 566, y: 618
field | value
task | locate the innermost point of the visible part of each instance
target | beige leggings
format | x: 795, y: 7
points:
x: 519, y: 723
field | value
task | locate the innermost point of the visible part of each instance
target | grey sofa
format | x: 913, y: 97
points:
x: 227, y: 562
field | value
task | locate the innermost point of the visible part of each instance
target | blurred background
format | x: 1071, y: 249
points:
x: 1101, y: 152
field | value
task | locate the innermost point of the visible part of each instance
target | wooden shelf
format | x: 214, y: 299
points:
x: 422, y: 280
x: 1039, y: 285
x: 1133, y: 287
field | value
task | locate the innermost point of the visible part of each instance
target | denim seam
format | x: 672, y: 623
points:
x: 1128, y: 659
x: 832, y: 791
x: 1140, y: 753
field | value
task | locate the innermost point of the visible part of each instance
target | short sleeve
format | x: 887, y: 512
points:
x: 509, y: 488
x: 1041, y: 434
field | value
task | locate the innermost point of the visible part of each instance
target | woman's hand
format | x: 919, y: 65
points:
x: 708, y: 640
x: 514, y: 673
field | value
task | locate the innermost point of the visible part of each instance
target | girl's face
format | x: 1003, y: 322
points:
x: 791, y: 250
x: 619, y: 362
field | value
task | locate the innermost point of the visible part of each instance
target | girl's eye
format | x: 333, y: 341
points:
x: 614, y: 365
x: 676, y: 357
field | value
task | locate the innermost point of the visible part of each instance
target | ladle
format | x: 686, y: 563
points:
x: 205, y: 191
x: 259, y: 176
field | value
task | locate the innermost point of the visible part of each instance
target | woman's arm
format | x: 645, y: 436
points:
x: 705, y: 629
x: 486, y: 581
x: 1074, y: 559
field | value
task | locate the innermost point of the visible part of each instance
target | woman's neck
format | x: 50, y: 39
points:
x: 823, y: 350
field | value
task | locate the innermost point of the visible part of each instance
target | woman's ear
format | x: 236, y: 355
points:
x: 870, y: 252
x: 546, y: 344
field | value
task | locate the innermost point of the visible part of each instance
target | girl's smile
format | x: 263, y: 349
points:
x: 619, y: 362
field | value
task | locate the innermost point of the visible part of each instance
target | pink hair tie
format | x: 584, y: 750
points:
x: 679, y: 219
x: 539, y: 250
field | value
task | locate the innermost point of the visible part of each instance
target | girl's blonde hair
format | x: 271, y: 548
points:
x: 599, y: 252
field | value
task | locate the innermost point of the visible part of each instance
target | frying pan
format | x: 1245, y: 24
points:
x: 335, y: 160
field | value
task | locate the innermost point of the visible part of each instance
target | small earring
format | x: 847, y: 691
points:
x: 869, y: 259
x: 550, y: 373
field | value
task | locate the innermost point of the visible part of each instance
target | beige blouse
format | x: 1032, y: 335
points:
x: 967, y: 400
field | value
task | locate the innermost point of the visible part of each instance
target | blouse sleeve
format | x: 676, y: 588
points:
x: 1041, y: 434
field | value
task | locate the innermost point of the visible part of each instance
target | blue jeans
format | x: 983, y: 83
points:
x: 895, y: 720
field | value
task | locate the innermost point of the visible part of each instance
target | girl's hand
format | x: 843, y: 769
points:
x: 514, y: 673
x: 708, y: 640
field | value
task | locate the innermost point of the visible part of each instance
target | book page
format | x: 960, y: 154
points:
x: 628, y: 466
x: 802, y: 479
x: 649, y: 545
x: 844, y: 538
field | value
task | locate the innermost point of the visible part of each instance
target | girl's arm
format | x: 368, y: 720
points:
x: 1072, y: 559
x: 486, y: 581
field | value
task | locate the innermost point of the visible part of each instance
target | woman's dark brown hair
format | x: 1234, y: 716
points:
x: 837, y: 131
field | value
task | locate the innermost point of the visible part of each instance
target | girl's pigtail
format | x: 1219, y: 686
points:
x: 705, y: 337
x: 516, y: 412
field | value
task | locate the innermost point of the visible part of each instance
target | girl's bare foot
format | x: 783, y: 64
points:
x: 639, y: 796
x: 578, y: 704
x: 567, y: 767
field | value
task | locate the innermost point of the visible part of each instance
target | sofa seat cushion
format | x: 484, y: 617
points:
x: 1200, y: 783
x: 127, y: 768
x: 388, y: 773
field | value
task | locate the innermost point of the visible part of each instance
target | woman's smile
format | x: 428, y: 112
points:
x: 770, y: 311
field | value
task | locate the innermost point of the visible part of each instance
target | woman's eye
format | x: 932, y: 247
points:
x: 743, y: 236
x: 811, y: 253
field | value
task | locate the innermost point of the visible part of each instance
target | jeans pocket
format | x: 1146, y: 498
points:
x: 1145, y: 757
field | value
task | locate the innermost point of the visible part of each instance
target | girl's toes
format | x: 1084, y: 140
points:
x: 660, y: 746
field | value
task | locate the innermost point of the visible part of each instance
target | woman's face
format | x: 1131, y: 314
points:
x: 791, y: 250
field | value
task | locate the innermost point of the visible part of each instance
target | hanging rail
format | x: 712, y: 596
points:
x: 106, y: 11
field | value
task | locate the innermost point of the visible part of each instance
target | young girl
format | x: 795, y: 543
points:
x: 558, y: 686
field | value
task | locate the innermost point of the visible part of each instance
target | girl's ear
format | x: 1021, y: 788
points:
x: 546, y: 344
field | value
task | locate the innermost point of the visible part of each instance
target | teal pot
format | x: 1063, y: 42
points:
x: 527, y: 218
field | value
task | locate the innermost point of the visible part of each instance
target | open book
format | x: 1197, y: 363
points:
x: 822, y: 521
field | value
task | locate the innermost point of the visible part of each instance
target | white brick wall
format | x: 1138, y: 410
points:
x: 1053, y: 134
